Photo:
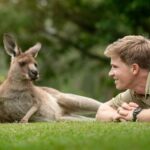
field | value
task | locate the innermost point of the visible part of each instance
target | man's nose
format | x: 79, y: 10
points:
x: 111, y: 73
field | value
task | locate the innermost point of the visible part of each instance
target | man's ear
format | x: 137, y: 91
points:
x: 135, y: 68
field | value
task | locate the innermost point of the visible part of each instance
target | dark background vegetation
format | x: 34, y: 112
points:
x: 74, y: 35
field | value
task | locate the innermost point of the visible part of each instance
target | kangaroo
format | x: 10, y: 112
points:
x: 22, y: 101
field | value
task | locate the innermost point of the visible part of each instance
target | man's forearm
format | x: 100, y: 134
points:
x: 144, y: 116
x: 106, y: 114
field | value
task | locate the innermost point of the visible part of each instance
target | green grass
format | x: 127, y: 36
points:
x: 75, y: 136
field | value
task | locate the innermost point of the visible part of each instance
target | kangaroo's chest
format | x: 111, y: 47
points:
x: 14, y: 105
x: 18, y: 100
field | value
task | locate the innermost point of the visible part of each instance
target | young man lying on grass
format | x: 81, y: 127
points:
x: 130, y: 65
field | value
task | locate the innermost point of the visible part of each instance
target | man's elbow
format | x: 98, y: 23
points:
x: 99, y: 113
x: 104, y: 113
x: 98, y: 118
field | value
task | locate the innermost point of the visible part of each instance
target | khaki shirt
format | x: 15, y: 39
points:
x: 130, y: 96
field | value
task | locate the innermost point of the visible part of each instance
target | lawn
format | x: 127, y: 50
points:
x: 75, y: 136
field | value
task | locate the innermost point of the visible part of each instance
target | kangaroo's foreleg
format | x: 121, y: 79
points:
x: 30, y: 112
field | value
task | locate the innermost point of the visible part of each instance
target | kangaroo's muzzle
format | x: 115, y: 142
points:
x: 33, y: 74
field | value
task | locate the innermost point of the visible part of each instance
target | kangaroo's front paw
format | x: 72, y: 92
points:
x: 23, y: 121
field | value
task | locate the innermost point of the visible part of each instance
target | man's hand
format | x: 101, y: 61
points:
x: 126, y: 111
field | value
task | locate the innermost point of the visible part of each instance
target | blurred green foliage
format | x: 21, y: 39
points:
x: 74, y: 35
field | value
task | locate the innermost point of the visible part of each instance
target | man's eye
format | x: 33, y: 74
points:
x: 114, y: 67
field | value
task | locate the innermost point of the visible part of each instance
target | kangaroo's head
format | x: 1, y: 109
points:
x: 23, y: 65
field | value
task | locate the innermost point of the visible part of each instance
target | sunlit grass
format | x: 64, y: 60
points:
x: 75, y: 136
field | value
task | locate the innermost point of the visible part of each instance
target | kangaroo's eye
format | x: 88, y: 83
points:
x: 35, y: 64
x: 22, y: 63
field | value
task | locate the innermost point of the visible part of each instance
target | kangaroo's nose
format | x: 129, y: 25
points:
x: 33, y: 74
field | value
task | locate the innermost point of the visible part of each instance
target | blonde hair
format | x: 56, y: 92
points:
x: 131, y: 49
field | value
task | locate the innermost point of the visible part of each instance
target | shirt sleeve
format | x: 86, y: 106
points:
x: 121, y: 98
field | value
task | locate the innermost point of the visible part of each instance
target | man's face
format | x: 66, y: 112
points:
x: 121, y: 73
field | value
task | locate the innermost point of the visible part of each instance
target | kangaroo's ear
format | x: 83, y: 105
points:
x: 10, y: 45
x: 34, y: 50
